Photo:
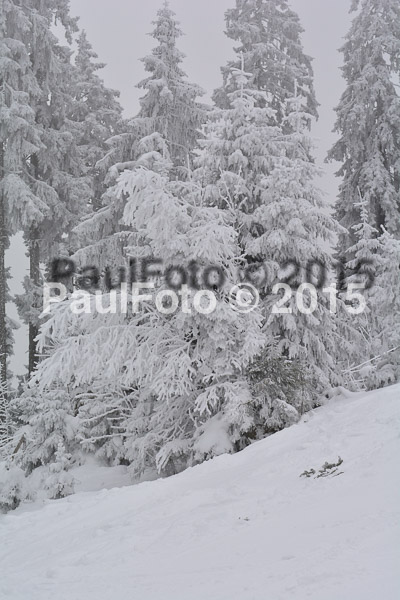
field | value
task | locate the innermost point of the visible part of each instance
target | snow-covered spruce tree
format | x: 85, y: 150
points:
x: 186, y: 395
x: 100, y: 238
x: 19, y: 139
x: 95, y: 117
x: 167, y: 124
x: 267, y: 176
x: 13, y: 486
x: 47, y: 430
x: 216, y: 347
x: 379, y: 360
x: 361, y: 271
x: 13, y: 489
x: 97, y: 114
x: 56, y: 169
x: 237, y: 153
x: 169, y: 105
x: 269, y: 34
x: 6, y: 429
x: 373, y: 273
x: 276, y: 384
x: 59, y: 482
x: 368, y: 120
x: 296, y: 226
x: 44, y: 442
x: 385, y: 307
x: 366, y: 250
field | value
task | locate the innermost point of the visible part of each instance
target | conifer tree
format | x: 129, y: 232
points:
x: 97, y: 114
x: 237, y: 154
x: 296, y: 225
x: 58, y: 178
x: 269, y: 36
x: 186, y: 395
x: 367, y: 247
x: 373, y: 273
x: 361, y: 272
x: 266, y: 173
x: 378, y: 361
x: 75, y: 124
x: 19, y: 140
x: 167, y: 125
x: 169, y: 105
x: 100, y: 237
x: 31, y: 112
x: 168, y: 108
x: 47, y: 420
x: 59, y: 483
x: 385, y: 310
x: 368, y: 120
x: 6, y: 429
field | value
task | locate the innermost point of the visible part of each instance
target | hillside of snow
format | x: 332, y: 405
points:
x: 242, y: 527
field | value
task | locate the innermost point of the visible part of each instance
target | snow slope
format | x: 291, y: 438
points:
x: 243, y: 527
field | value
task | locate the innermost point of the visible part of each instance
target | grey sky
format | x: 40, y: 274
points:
x: 119, y: 36
x: 117, y: 31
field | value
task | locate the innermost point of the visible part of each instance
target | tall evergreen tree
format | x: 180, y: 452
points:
x: 76, y: 114
x: 19, y: 140
x: 237, y: 154
x: 269, y: 36
x: 297, y: 229
x: 58, y: 175
x: 177, y: 381
x: 167, y: 124
x: 266, y: 175
x: 96, y: 113
x: 368, y: 120
x: 385, y: 309
x: 169, y: 105
x: 378, y: 357
x: 25, y: 68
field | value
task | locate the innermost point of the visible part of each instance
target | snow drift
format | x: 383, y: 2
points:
x: 242, y: 527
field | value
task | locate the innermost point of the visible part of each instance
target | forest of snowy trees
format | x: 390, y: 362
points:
x: 220, y: 197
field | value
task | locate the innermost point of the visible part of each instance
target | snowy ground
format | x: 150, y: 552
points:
x: 243, y: 527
